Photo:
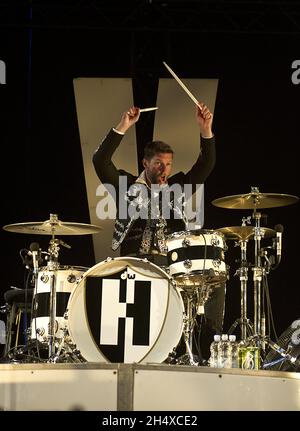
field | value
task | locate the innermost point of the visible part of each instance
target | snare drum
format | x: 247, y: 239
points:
x: 197, y: 257
x: 125, y: 310
x: 65, y: 278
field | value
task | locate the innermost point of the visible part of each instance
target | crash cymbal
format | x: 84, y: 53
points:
x: 245, y: 232
x: 53, y: 226
x: 255, y: 200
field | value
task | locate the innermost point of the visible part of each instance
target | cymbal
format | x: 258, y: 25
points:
x: 53, y: 227
x: 255, y: 200
x: 245, y: 232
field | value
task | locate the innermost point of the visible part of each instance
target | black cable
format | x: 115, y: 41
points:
x: 33, y: 315
x: 198, y: 342
x: 270, y: 308
x: 25, y: 310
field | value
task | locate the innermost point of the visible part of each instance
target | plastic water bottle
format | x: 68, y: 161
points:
x: 224, y: 352
x: 213, y: 360
x: 234, y: 351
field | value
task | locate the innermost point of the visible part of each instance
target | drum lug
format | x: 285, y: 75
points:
x: 45, y: 278
x: 186, y: 242
x: 71, y: 278
x: 187, y: 263
x: 215, y: 241
x: 173, y: 283
x: 216, y: 262
x: 40, y: 331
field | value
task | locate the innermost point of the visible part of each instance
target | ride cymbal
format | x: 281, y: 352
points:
x: 245, y: 232
x: 53, y: 226
x: 255, y: 200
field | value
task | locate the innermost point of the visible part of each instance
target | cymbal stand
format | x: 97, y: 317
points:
x: 258, y: 273
x: 34, y: 282
x: 242, y: 272
x: 53, y: 265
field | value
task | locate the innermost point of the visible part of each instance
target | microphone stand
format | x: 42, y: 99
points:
x: 259, y: 271
x: 34, y: 281
x: 267, y: 267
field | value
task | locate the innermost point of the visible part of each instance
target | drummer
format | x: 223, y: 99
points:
x: 146, y: 237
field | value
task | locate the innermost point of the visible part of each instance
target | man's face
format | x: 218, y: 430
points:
x: 158, y: 168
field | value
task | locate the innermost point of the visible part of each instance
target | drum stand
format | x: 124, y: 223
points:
x: 56, y: 353
x: 194, y: 300
x: 53, y: 265
x: 188, y: 328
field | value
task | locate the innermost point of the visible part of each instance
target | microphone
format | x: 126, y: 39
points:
x: 35, y: 253
x: 295, y: 360
x: 64, y: 244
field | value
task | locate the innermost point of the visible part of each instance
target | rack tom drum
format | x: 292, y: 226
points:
x: 65, y: 279
x: 197, y: 257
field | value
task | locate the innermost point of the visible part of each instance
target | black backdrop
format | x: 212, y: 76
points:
x: 256, y: 121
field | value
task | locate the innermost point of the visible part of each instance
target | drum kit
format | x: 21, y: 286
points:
x: 127, y: 309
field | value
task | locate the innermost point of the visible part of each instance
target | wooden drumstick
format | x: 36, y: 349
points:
x: 182, y: 85
x: 146, y: 109
x: 149, y: 109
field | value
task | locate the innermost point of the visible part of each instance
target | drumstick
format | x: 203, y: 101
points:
x: 182, y: 85
x: 149, y: 109
x: 145, y: 110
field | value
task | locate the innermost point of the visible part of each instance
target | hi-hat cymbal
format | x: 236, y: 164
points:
x: 255, y: 200
x: 53, y: 226
x: 245, y: 232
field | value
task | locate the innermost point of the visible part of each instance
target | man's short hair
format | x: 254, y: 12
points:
x: 154, y: 147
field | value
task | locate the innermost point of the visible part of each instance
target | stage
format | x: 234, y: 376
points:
x: 136, y: 387
x: 70, y: 74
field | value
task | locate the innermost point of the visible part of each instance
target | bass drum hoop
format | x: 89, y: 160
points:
x: 196, y: 232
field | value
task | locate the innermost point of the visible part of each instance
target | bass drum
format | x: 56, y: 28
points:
x: 125, y: 310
